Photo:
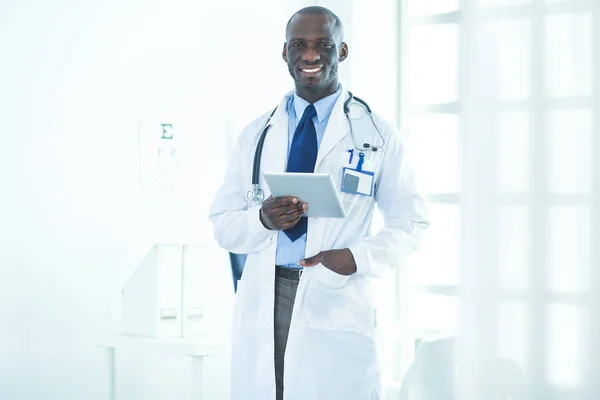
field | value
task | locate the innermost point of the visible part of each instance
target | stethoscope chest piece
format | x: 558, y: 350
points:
x: 255, y: 194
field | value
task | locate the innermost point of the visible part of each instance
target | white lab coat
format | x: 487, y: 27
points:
x: 331, y: 350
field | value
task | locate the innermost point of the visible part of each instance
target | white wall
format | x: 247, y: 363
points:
x: 75, y: 78
x: 66, y: 211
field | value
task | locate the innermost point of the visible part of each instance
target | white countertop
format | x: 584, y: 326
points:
x: 188, y: 346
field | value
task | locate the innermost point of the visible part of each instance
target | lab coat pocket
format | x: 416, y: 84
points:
x: 351, y: 199
x: 333, y: 302
x: 329, y: 278
x: 355, y: 202
x: 238, y: 310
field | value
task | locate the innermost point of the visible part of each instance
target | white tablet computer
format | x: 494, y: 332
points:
x: 318, y: 190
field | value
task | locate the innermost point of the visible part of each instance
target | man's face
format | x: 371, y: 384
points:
x: 313, y: 51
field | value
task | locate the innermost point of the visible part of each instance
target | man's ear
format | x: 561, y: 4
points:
x: 284, y: 52
x: 343, y: 52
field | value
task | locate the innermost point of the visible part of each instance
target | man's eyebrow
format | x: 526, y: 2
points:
x: 319, y: 39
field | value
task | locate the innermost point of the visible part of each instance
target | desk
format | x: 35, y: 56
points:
x: 194, y: 348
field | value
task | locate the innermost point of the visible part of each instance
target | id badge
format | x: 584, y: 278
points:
x: 357, y: 182
x: 356, y: 178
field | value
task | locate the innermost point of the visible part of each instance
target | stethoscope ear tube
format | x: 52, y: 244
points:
x: 347, y: 103
x: 353, y: 97
x: 258, y: 152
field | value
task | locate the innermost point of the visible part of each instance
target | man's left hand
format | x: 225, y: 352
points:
x: 339, y: 261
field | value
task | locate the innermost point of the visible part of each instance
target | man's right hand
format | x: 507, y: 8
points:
x: 281, y: 213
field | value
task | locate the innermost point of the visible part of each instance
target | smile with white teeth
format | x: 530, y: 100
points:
x: 311, y: 70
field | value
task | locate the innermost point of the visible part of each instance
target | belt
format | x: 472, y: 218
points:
x: 293, y: 274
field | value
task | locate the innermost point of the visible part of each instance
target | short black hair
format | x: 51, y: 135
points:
x: 337, y: 22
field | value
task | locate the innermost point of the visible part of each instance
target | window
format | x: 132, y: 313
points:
x: 500, y: 110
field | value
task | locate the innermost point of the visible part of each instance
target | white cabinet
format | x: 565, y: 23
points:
x: 169, y: 295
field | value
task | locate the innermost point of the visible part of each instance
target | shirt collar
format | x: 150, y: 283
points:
x: 323, y: 106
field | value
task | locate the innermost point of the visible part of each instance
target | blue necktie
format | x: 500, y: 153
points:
x: 303, y: 156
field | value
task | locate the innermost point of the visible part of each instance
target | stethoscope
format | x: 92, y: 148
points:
x: 257, y: 195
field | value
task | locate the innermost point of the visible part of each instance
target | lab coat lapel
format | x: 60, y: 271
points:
x: 337, y: 129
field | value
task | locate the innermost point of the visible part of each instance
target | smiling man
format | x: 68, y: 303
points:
x: 313, y: 52
x: 304, y: 318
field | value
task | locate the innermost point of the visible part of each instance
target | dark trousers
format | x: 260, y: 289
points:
x: 286, y: 285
